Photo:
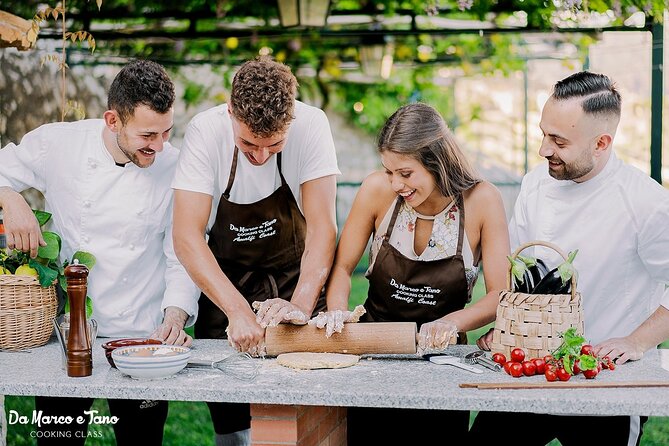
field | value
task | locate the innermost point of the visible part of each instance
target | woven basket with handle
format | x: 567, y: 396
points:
x: 26, y: 310
x: 534, y: 322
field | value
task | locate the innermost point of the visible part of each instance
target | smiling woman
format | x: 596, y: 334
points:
x: 425, y: 254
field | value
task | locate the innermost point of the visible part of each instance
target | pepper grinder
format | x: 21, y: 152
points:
x: 79, y: 356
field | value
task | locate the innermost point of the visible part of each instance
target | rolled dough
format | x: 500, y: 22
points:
x: 308, y: 361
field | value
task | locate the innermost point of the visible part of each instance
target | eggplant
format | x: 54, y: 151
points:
x: 557, y: 280
x: 533, y: 270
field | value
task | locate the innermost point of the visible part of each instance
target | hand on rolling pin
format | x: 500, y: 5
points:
x: 272, y: 312
x: 334, y: 321
x: 435, y: 335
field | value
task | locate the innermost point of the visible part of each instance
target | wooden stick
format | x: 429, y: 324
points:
x: 355, y: 339
x: 565, y: 385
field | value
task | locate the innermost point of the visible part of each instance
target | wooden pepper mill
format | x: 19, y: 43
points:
x: 79, y: 356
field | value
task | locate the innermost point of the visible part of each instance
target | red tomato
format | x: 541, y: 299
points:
x: 612, y: 365
x: 576, y: 367
x: 605, y: 362
x: 516, y: 369
x: 552, y: 367
x: 586, y: 349
x: 590, y: 374
x: 563, y: 374
x: 507, y: 366
x: 499, y: 358
x: 548, y: 359
x: 540, y: 364
x: 550, y: 375
x: 529, y: 369
x: 517, y: 355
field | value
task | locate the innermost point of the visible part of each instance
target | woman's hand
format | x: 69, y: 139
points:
x: 436, y: 335
x: 333, y: 321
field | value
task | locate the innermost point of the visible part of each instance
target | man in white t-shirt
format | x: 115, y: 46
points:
x: 616, y: 216
x: 257, y: 176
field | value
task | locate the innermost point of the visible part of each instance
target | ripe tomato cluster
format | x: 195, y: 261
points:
x: 555, y: 368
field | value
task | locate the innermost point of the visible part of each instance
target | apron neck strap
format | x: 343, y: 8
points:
x: 391, y: 224
x: 461, y: 224
x: 233, y: 170
x: 231, y: 177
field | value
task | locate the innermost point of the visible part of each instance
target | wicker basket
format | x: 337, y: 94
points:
x: 26, y: 310
x: 534, y: 322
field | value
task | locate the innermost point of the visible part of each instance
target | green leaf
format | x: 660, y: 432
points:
x: 587, y: 362
x: 63, y: 282
x: 568, y: 363
x: 47, y: 275
x: 42, y: 217
x: 52, y: 248
x: 85, y: 258
x: 89, y: 307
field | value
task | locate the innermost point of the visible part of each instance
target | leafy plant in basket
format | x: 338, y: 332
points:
x: 45, y: 266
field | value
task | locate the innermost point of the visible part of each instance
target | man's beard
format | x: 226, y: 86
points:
x: 132, y: 156
x: 571, y: 171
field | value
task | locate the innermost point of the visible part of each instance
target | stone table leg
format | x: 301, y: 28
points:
x: 298, y: 425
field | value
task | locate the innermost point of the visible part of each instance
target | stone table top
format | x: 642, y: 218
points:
x: 398, y: 381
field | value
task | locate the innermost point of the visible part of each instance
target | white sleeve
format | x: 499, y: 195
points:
x: 518, y: 226
x: 653, y: 245
x: 319, y: 158
x: 23, y: 166
x: 180, y: 290
x: 195, y: 169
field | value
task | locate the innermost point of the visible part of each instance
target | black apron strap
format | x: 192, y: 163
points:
x: 393, y: 218
x: 231, y: 177
x: 461, y: 224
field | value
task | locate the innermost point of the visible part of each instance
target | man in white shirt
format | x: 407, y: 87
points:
x: 257, y: 176
x: 616, y: 216
x: 107, y: 184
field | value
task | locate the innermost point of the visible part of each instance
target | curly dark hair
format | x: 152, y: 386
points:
x: 140, y: 82
x: 263, y: 96
x: 599, y: 93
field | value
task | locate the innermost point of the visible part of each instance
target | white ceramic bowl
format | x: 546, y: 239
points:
x: 151, y: 361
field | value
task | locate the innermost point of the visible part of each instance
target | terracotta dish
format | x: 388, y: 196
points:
x: 117, y: 343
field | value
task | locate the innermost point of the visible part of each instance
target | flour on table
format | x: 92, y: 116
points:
x: 308, y: 361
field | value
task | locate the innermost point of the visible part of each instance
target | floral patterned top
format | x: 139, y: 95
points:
x: 443, y: 241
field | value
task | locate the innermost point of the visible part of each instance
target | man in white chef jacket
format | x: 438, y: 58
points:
x: 616, y: 216
x: 107, y: 184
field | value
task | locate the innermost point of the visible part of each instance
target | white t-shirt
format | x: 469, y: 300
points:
x: 122, y: 215
x: 618, y: 222
x: 208, y: 148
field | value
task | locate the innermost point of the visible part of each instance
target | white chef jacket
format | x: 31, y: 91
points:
x: 618, y: 222
x: 122, y: 215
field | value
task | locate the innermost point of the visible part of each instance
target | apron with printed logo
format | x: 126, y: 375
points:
x: 259, y: 247
x: 402, y: 289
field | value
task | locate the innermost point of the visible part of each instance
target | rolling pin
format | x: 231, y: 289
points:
x: 356, y: 339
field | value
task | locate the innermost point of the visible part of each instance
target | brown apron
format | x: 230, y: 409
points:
x: 401, y: 289
x: 259, y: 247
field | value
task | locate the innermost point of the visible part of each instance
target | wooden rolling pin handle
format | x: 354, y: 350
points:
x: 357, y: 339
